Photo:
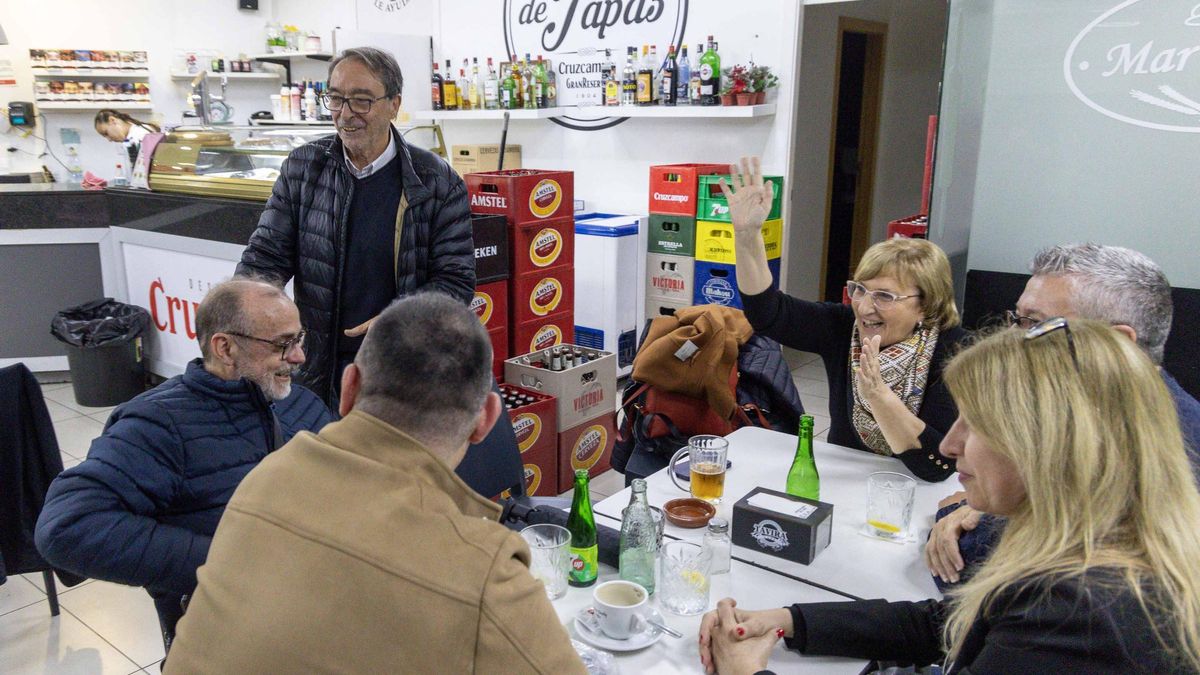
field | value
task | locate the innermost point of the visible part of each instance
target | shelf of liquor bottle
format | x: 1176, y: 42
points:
x: 290, y: 123
x: 178, y: 75
x: 91, y: 105
x: 120, y: 73
x: 278, y: 56
x: 675, y: 112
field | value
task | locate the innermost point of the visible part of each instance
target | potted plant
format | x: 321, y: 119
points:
x: 761, y: 79
x: 737, y: 87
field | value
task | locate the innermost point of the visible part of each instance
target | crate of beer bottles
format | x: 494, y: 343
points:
x: 491, y: 248
x: 533, y: 419
x: 912, y: 227
x: 713, y: 205
x: 656, y: 307
x: 499, y: 340
x: 716, y: 283
x: 670, y: 277
x: 583, y: 380
x: 522, y: 195
x: 542, y: 332
x: 587, y: 445
x: 490, y: 304
x: 674, y: 188
x: 671, y: 234
x: 542, y: 293
x: 538, y: 245
x: 714, y: 241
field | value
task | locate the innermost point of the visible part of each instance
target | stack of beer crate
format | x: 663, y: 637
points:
x: 671, y: 244
x: 491, y: 284
x: 715, y: 275
x: 534, y: 419
x: 538, y: 210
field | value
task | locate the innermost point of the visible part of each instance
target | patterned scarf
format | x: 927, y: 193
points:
x: 904, y: 368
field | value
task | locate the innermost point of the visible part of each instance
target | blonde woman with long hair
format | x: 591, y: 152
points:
x: 1067, y: 430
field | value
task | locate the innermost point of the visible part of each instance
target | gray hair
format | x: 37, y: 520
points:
x: 426, y: 368
x: 381, y: 64
x: 1117, y: 285
x: 221, y: 311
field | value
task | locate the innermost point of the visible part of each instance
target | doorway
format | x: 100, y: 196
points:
x: 858, y: 91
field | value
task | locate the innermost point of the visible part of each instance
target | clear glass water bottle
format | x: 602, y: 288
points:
x: 639, y: 539
x: 716, y: 540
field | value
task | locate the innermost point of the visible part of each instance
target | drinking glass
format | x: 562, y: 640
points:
x: 889, y: 504
x: 683, y: 577
x: 707, y: 456
x: 549, y: 547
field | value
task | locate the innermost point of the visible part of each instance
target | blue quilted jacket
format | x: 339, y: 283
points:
x: 142, y: 508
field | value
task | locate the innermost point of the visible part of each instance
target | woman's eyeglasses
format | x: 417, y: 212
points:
x: 1049, y: 326
x: 882, y: 299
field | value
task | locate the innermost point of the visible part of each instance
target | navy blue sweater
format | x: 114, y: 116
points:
x: 142, y: 508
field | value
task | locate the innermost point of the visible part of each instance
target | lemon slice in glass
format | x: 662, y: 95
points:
x: 884, y: 527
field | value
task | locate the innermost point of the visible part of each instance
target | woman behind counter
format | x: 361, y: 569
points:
x: 883, y: 355
x: 1069, y: 431
x: 118, y: 127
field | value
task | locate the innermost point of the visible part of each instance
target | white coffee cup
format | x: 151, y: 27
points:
x: 618, y: 604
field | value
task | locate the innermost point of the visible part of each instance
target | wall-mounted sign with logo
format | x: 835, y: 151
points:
x: 573, y: 34
x: 1139, y: 63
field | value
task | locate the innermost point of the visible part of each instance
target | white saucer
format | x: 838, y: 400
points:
x: 645, y: 637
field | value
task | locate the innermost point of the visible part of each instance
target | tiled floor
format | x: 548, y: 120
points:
x: 111, y: 629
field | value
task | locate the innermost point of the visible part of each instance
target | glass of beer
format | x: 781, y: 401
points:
x: 706, y: 459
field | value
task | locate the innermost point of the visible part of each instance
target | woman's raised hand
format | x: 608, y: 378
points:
x: 749, y: 197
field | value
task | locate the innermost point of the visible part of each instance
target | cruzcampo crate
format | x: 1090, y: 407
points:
x: 674, y: 188
x: 671, y: 234
x: 714, y: 241
x: 522, y: 195
x: 714, y: 207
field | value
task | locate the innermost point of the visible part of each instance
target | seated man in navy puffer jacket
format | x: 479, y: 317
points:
x: 142, y: 508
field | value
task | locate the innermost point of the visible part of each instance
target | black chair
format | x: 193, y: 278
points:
x: 29, y: 461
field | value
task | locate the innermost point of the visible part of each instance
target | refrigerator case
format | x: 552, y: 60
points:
x: 211, y: 164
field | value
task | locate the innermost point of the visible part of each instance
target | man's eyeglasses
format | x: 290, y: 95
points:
x: 1049, y: 326
x: 284, y: 346
x: 882, y: 299
x: 362, y: 106
x: 1022, y: 322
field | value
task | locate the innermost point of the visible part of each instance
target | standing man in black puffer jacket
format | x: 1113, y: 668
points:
x: 361, y: 219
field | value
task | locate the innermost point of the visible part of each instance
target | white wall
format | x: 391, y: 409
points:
x: 912, y: 71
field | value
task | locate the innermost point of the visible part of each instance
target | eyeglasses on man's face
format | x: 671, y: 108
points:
x: 358, y: 104
x: 1049, y: 326
x: 882, y: 299
x: 284, y: 346
x: 1018, y: 321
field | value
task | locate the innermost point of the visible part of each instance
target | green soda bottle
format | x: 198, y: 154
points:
x: 803, y: 479
x: 582, y: 526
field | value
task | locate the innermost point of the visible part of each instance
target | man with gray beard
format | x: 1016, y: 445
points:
x: 142, y: 508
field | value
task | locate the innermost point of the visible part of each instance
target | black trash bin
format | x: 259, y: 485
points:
x: 104, y: 350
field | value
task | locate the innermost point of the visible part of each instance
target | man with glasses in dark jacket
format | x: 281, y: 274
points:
x: 142, y: 508
x: 361, y: 218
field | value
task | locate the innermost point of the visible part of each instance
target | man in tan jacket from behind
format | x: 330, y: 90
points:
x: 359, y: 550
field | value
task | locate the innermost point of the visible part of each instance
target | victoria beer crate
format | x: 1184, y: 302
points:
x: 542, y: 332
x: 583, y: 390
x: 656, y: 307
x: 522, y: 195
x: 533, y: 418
x: 670, y: 277
x: 491, y: 248
x: 674, y: 188
x: 587, y: 445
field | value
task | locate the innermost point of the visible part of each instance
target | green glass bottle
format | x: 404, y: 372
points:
x: 582, y: 526
x: 508, y: 93
x: 710, y: 75
x: 803, y: 479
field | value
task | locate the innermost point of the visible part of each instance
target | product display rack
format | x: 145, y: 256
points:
x: 178, y: 75
x: 67, y: 106
x: 285, y: 59
x: 86, y: 73
x: 671, y: 112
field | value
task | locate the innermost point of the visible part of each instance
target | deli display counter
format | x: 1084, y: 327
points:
x: 235, y: 163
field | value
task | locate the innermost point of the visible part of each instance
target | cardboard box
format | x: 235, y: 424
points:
x: 714, y: 207
x: 535, y: 426
x: 714, y: 241
x: 588, y: 445
x: 781, y: 525
x: 542, y: 293
x: 542, y: 244
x: 656, y: 307
x: 467, y: 159
x: 490, y: 304
x: 670, y: 277
x: 716, y: 283
x: 674, y: 187
x: 542, y: 332
x: 673, y: 235
x: 583, y: 391
x: 522, y: 195
x: 491, y: 248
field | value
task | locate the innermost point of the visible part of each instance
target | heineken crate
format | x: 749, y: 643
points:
x: 674, y: 188
x: 533, y: 418
x: 670, y: 277
x: 714, y: 241
x: 491, y: 248
x: 714, y: 207
x: 716, y: 283
x: 583, y: 390
x: 673, y: 235
x: 587, y: 445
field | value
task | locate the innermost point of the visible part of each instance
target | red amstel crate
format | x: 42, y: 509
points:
x: 499, y: 339
x: 542, y: 293
x: 674, y: 187
x: 491, y: 304
x: 523, y: 195
x: 586, y: 446
x: 543, y: 332
x: 535, y: 426
x: 543, y: 244
x: 912, y: 227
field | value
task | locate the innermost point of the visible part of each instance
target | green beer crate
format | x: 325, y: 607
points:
x: 714, y: 207
x: 671, y: 234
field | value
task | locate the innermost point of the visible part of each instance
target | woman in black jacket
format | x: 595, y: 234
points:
x: 1069, y: 432
x: 883, y: 354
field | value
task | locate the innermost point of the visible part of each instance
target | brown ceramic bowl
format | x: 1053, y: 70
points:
x: 689, y: 512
